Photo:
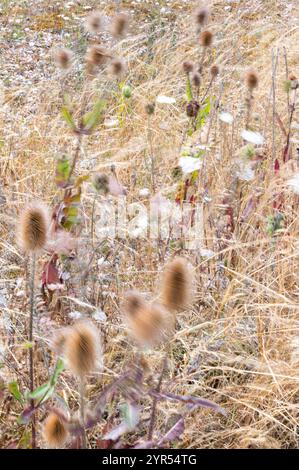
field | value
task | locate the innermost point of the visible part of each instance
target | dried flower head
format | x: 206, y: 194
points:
x: 117, y: 67
x: 251, y: 80
x: 119, y: 25
x: 201, y: 16
x: 55, y: 431
x: 81, y: 348
x: 294, y: 84
x: 192, y: 109
x: 97, y: 56
x: 196, y: 79
x: 206, y: 38
x: 188, y: 66
x: 214, y: 70
x: 94, y: 22
x: 101, y: 183
x: 149, y: 322
x: 150, y: 108
x: 33, y: 227
x: 63, y: 58
x: 176, y: 284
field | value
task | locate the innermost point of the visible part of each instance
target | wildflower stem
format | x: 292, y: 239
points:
x: 31, y: 359
x: 155, y: 400
x: 82, y: 411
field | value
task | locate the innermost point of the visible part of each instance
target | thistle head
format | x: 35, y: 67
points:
x: 94, y: 22
x: 33, y: 226
x: 214, y: 71
x: 96, y: 56
x: 117, y: 67
x: 55, y: 431
x: 201, y: 16
x: 149, y: 322
x: 119, y: 25
x: 188, y: 66
x: 196, y: 79
x: 251, y: 80
x: 82, y: 347
x: 206, y: 38
x: 176, y: 284
x: 63, y: 58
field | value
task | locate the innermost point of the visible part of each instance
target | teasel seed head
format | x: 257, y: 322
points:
x: 150, y: 108
x: 176, y: 285
x: 206, y: 38
x: 192, y: 109
x: 117, y: 67
x: 119, y: 25
x: 82, y: 347
x: 214, y: 70
x: 55, y: 431
x: 201, y: 16
x: 251, y: 80
x: 149, y: 322
x: 96, y: 57
x: 101, y: 183
x: 33, y: 227
x: 63, y: 58
x: 94, y: 22
x: 188, y: 66
x: 196, y: 79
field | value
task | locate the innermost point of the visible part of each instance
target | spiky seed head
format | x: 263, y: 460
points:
x: 206, y: 38
x: 201, y: 16
x: 117, y: 67
x: 150, y: 108
x: 251, y: 80
x: 97, y: 56
x: 149, y: 322
x: 176, y: 284
x: 196, y: 79
x: 55, y: 431
x: 81, y: 348
x: 214, y: 70
x: 119, y: 25
x: 101, y: 183
x: 33, y: 226
x: 63, y: 58
x: 188, y: 66
x: 192, y: 109
x: 94, y: 22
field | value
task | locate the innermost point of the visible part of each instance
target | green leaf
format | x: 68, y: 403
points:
x: 57, y: 371
x: 62, y: 172
x: 68, y: 118
x: 13, y: 388
x: 91, y: 120
x: 203, y: 113
x: 39, y: 392
x: 189, y: 93
x: 130, y: 413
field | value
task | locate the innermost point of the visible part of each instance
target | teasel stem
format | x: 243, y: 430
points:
x: 152, y: 158
x: 82, y: 411
x: 92, y: 220
x: 30, y: 338
x: 287, y: 75
x: 155, y: 400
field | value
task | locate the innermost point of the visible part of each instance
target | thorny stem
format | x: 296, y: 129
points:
x: 274, y: 67
x: 31, y: 359
x: 155, y: 401
x: 287, y: 76
x: 82, y: 411
x: 150, y: 141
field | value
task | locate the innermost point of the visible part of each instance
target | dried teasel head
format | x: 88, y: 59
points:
x: 150, y: 108
x: 177, y: 283
x: 63, y: 58
x: 149, y: 322
x: 101, y: 183
x: 117, y: 67
x: 206, y: 38
x: 55, y: 431
x: 82, y: 348
x: 192, y: 109
x: 214, y: 71
x: 188, y: 66
x: 94, y: 22
x: 96, y: 56
x: 33, y: 226
x: 251, y: 80
x: 119, y: 25
x: 196, y: 79
x: 201, y: 16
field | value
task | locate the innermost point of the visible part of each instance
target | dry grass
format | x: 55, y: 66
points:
x: 238, y: 345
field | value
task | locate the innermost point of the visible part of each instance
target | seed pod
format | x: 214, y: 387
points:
x: 206, y: 38
x: 150, y: 108
x: 192, y: 109
x: 176, y: 284
x: 201, y: 16
x: 63, y: 58
x: 188, y: 66
x: 33, y: 227
x: 55, y: 431
x: 251, y: 80
x: 214, y: 70
x: 119, y: 25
